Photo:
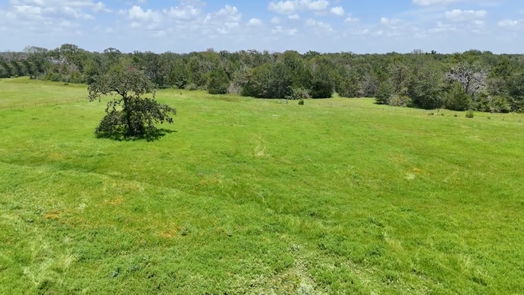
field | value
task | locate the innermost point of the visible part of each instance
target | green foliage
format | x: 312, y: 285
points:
x: 268, y: 81
x: 499, y: 104
x: 516, y: 92
x: 424, y: 89
x: 321, y: 88
x: 129, y: 114
x: 457, y: 99
x: 384, y: 92
x: 349, y: 85
x: 425, y: 78
x: 399, y: 100
x: 178, y: 75
x: 218, y: 82
x: 322, y: 81
x: 299, y: 94
x: 492, y: 103
x: 470, y: 114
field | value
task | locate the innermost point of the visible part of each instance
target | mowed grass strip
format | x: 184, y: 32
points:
x: 258, y: 196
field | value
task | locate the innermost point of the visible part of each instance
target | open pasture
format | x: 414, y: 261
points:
x: 258, y: 196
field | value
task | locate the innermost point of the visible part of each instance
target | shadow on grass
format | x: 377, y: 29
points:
x: 151, y: 135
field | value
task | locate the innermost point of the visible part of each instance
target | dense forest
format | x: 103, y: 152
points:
x: 472, y: 80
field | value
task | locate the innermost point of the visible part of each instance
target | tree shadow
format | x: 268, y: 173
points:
x: 153, y: 134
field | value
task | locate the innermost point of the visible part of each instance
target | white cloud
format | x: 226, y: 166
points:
x: 224, y: 20
x: 389, y: 21
x: 184, y: 12
x: 351, y: 19
x: 319, y: 25
x: 459, y: 15
x: 254, y: 22
x: 510, y: 23
x: 293, y: 6
x: 279, y: 30
x: 136, y: 13
x: 49, y: 16
x: 433, y: 2
x: 338, y: 10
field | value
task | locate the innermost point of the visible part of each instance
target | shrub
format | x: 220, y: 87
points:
x: 516, y: 92
x: 424, y: 89
x: 349, y: 86
x: 499, y: 104
x: 457, y: 99
x: 470, y: 114
x: 322, y: 82
x: 400, y: 101
x: 384, y: 92
x: 268, y: 81
x: 218, y: 82
x: 191, y: 87
x: 301, y: 102
x: 492, y: 103
x: 298, y: 94
x: 321, y: 88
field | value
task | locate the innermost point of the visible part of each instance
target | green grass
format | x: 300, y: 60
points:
x: 339, y: 196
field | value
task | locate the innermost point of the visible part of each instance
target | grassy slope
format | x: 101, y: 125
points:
x: 258, y: 196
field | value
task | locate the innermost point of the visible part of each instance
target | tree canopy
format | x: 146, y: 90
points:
x: 129, y: 113
x: 426, y: 80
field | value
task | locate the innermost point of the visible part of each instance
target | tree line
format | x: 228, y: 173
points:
x: 472, y: 80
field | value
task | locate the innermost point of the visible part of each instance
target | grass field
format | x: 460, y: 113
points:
x: 249, y: 196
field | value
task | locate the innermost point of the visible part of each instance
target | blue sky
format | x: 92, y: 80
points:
x: 362, y: 26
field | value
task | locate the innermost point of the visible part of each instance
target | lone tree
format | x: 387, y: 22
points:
x: 129, y: 114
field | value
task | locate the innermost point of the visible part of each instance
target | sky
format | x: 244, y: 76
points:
x: 360, y: 26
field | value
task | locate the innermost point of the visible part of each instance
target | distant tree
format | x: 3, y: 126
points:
x: 457, y: 99
x: 471, y: 76
x: 417, y: 79
x: 6, y: 70
x: 399, y: 73
x: 516, y: 92
x: 321, y: 87
x: 268, y: 81
x: 129, y: 113
x: 323, y: 78
x: 384, y: 92
x: 348, y: 85
x: 369, y: 84
x: 17, y: 68
x: 297, y: 69
x: 218, y: 82
x: 424, y: 88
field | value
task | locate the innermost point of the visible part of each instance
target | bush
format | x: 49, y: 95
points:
x: 322, y: 79
x: 499, y: 104
x: 298, y: 94
x: 301, y: 102
x: 321, y: 89
x: 516, y: 92
x: 400, y: 101
x: 470, y: 114
x: 218, y: 82
x: 424, y: 89
x: 457, y: 99
x: 349, y: 86
x: 384, y: 92
x: 492, y: 103
x: 268, y: 81
x: 191, y: 87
